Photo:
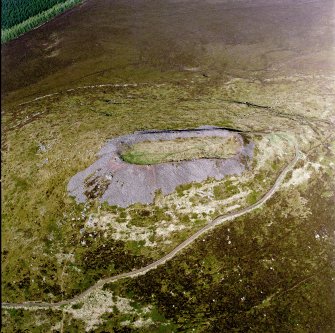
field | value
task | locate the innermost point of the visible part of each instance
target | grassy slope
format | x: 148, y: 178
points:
x: 36, y: 196
x: 263, y: 273
x: 47, y: 224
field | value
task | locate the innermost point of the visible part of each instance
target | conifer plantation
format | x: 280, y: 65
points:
x: 20, y: 16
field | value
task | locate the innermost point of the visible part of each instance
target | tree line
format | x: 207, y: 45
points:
x: 14, y: 12
x: 20, y: 16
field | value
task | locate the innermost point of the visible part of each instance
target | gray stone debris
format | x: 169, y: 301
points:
x: 120, y: 183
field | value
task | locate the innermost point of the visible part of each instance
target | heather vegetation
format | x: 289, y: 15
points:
x: 262, y: 273
x: 111, y: 68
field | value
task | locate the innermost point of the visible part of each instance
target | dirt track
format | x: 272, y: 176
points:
x: 217, y: 221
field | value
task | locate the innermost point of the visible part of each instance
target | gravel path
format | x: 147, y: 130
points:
x: 217, y: 221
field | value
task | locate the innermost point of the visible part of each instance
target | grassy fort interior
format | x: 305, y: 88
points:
x: 115, y: 221
x: 180, y: 150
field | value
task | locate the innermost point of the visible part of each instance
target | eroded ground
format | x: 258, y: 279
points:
x: 115, y: 181
x: 271, y: 270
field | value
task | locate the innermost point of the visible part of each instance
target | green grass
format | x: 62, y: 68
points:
x: 10, y: 32
x: 40, y: 220
x: 153, y: 152
x: 252, y: 198
x: 225, y: 190
x: 265, y: 270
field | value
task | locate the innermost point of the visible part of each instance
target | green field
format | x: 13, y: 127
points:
x: 180, y: 150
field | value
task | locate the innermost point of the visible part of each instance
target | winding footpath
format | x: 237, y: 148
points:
x: 141, y: 271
